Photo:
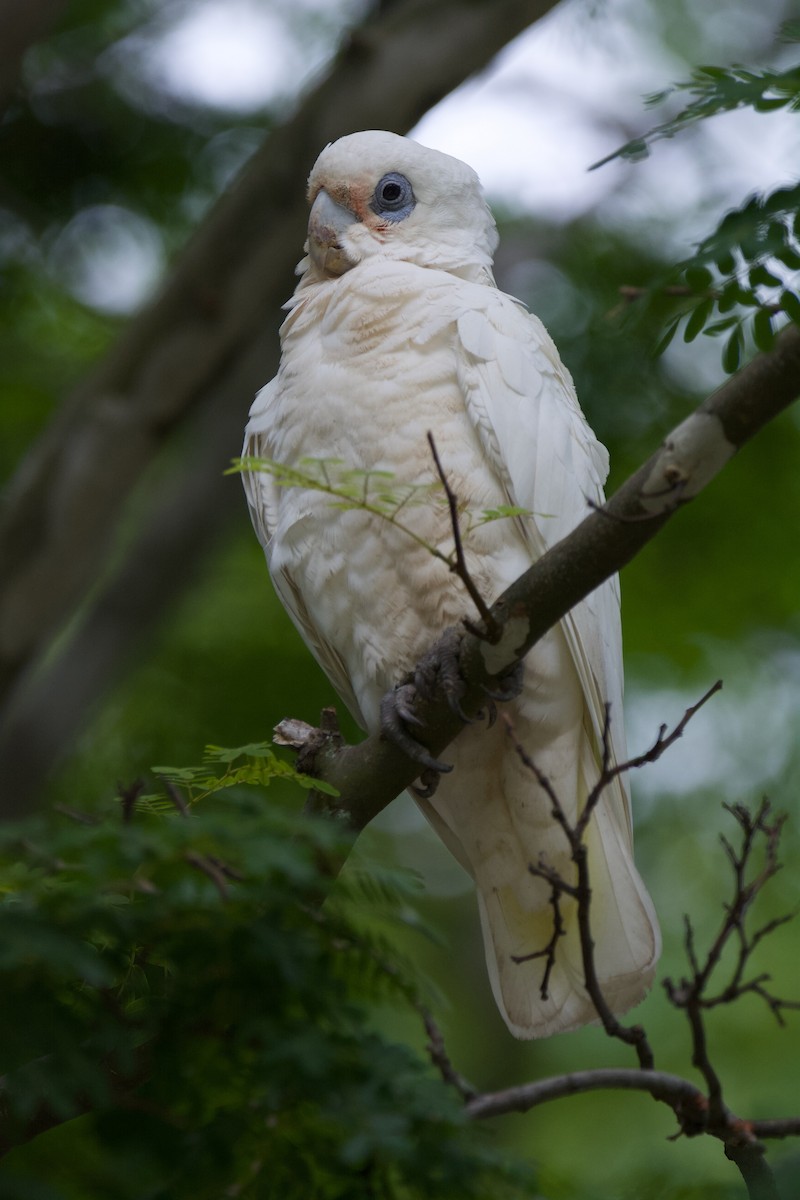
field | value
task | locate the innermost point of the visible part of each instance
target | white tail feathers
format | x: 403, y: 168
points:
x: 496, y: 836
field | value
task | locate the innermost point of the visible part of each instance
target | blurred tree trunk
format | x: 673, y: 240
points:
x: 21, y: 25
x: 180, y: 380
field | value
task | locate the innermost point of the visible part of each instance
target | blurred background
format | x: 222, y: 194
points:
x: 123, y: 123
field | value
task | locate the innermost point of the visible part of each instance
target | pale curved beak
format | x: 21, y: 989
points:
x: 326, y: 223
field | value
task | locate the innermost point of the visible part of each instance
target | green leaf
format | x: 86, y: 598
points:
x: 760, y: 276
x: 732, y: 353
x: 763, y: 332
x: 790, y: 257
x: 699, y: 278
x: 697, y: 320
x: 790, y: 303
x: 767, y: 104
x: 720, y: 326
x: 725, y: 261
x: 667, y: 335
x: 734, y: 294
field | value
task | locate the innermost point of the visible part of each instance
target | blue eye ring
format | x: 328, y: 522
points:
x: 393, y: 198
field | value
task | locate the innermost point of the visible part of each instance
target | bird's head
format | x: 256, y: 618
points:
x: 375, y: 193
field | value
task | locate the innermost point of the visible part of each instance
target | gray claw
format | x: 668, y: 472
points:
x: 395, y: 713
x: 508, y: 687
x: 430, y: 781
x: 441, y: 668
x: 403, y: 697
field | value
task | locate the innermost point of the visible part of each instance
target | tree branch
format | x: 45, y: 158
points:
x: 671, y: 1089
x: 370, y: 775
x: 740, y: 1138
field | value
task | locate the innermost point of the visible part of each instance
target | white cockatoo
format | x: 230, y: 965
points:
x: 397, y: 328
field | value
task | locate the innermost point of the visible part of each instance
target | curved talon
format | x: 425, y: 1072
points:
x: 394, y: 713
x: 509, y: 685
x: 430, y: 780
x: 455, y: 706
x: 402, y: 703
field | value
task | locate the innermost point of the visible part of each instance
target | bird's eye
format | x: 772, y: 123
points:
x: 393, y: 198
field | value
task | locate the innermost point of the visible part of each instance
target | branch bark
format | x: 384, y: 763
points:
x: 368, y: 776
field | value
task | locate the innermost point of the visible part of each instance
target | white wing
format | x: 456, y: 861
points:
x: 523, y: 403
x: 263, y: 501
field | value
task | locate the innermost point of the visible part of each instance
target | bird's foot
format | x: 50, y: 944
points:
x: 437, y: 671
x: 397, y: 711
x: 440, y: 668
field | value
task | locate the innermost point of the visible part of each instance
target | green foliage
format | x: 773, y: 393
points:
x: 742, y: 279
x: 740, y: 282
x: 177, y: 975
x: 377, y: 492
x: 256, y: 764
x: 716, y: 90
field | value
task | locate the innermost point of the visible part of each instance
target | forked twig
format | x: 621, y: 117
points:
x: 691, y: 994
x: 491, y: 630
x: 441, y: 1059
x: 548, y: 952
x: 580, y: 890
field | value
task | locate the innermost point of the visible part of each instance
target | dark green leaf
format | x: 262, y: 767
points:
x: 763, y: 332
x: 699, y: 278
x: 760, y: 276
x: 667, y: 336
x: 720, y: 326
x: 732, y: 352
x: 765, y: 104
x: 732, y: 295
x: 790, y: 257
x: 790, y: 303
x: 725, y: 262
x: 698, y: 319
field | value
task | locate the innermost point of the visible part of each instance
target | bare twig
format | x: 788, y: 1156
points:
x: 691, y: 994
x: 580, y: 891
x: 491, y: 630
x: 679, y: 1094
x: 742, y: 1144
x: 548, y: 952
x: 212, y: 867
x: 128, y: 796
x: 441, y: 1059
x: 176, y: 796
x: 776, y: 1127
x: 662, y: 743
x: 633, y: 1035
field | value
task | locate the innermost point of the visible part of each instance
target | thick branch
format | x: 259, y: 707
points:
x: 370, y: 775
